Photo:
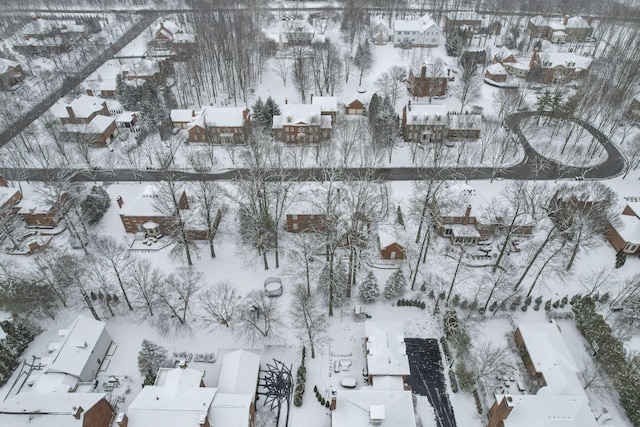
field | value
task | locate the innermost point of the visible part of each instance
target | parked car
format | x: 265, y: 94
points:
x: 273, y: 287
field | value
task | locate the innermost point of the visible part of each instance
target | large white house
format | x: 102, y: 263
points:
x: 422, y: 32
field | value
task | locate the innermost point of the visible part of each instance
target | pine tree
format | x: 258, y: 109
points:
x: 396, y: 285
x: 151, y: 358
x: 95, y: 204
x: 339, y: 282
x: 257, y: 111
x: 271, y: 109
x: 369, y: 290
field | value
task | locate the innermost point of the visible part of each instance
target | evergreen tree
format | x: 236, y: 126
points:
x: 95, y: 204
x: 127, y: 95
x: 369, y: 290
x: 396, y: 285
x: 339, y: 283
x: 454, y: 44
x: 257, y: 111
x: 271, y: 109
x: 374, y: 105
x: 151, y: 358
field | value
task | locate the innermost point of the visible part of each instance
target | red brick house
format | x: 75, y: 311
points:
x: 81, y: 110
x: 464, y: 126
x: 496, y: 73
x: 503, y: 55
x: 100, y: 131
x: 301, y: 123
x: 575, y: 28
x: 170, y: 36
x: 9, y: 197
x: 433, y: 83
x: 424, y: 122
x: 182, y: 119
x: 220, y: 125
x: 389, y: 247
x: 556, y: 67
x: 41, y: 214
x: 625, y: 235
x: 328, y: 105
x: 355, y: 107
x: 463, y: 20
x: 11, y: 73
x: 297, y: 223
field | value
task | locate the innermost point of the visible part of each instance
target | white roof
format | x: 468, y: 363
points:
x: 463, y: 16
x: 388, y: 382
x: 502, y: 53
x: 628, y: 226
x: 230, y: 410
x: 386, y: 238
x: 386, y: 350
x: 7, y: 193
x: 358, y: 407
x: 427, y: 114
x: 78, y: 346
x: 420, y: 25
x: 176, y: 400
x: 326, y: 103
x: 497, y: 69
x: 143, y: 204
x: 167, y: 28
x: 221, y: 117
x: 563, y: 59
x: 183, y: 115
x: 298, y: 114
x: 97, y: 125
x: 239, y: 372
x: 539, y: 20
x: 577, y: 22
x: 46, y: 409
x: 83, y: 106
x: 464, y: 230
x: 549, y: 411
x: 126, y: 117
x: 465, y: 121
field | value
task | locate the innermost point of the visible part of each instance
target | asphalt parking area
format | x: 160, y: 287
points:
x: 427, y: 377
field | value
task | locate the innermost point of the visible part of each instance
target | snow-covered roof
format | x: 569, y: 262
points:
x: 539, y: 21
x: 297, y: 26
x: 34, y: 206
x: 559, y: 34
x: 464, y: 230
x: 47, y: 409
x: 628, y: 226
x: 564, y: 59
x: 299, y: 115
x: 7, y: 65
x: 502, y: 53
x: 548, y: 411
x: 175, y: 400
x: 426, y: 114
x: 6, y: 193
x: 419, y: 25
x: 379, y: 22
x: 239, y: 372
x: 465, y: 121
x: 577, y: 22
x: 386, y: 238
x: 458, y: 196
x: 78, y: 346
x: 221, y: 117
x: 184, y: 38
x: 167, y: 29
x: 497, y: 69
x: 83, y: 107
x: 363, y: 407
x: 326, y: 103
x: 386, y: 350
x: 97, y: 125
x: 183, y: 116
x: 230, y: 410
x: 126, y: 117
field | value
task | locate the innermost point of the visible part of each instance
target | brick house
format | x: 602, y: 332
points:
x: 625, y: 235
x: 11, y: 73
x: 81, y: 110
x: 464, y: 20
x: 297, y: 223
x: 45, y: 47
x: 575, y: 29
x: 101, y: 130
x: 145, y: 69
x: 555, y: 67
x: 220, y: 125
x: 9, y: 197
x: 355, y: 107
x: 127, y: 120
x: 301, y: 123
x: 424, y: 122
x: 183, y: 119
x: 464, y: 126
x: 328, y: 105
x: 42, y: 214
x: 170, y: 36
x: 389, y: 247
x: 503, y: 55
x: 496, y: 73
x: 428, y: 84
x: 421, y: 32
x: 41, y: 29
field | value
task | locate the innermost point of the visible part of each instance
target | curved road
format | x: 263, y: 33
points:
x: 13, y: 129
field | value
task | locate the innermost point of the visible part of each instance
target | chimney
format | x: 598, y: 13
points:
x: 182, y: 364
x: 72, y: 116
x: 534, y: 58
x: 3, y: 182
x: 423, y: 71
x: 311, y: 101
x: 448, y: 72
x: 245, y: 113
x: 119, y: 201
x: 204, y: 421
x: 589, y: 19
x: 77, y: 412
x: 467, y: 214
x: 286, y: 101
x: 122, y: 420
x: 89, y: 92
x: 566, y: 20
x: 334, y: 397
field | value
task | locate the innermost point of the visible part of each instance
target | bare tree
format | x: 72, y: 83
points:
x: 483, y: 362
x: 113, y: 254
x: 632, y: 151
x: 598, y: 280
x: 145, y: 280
x: 280, y: 65
x: 303, y: 247
x: 592, y: 377
x: 259, y: 318
x: 392, y: 81
x: 301, y: 70
x: 177, y: 291
x: 307, y: 317
x: 220, y: 304
x: 468, y: 86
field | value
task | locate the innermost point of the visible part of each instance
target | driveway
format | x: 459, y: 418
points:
x: 427, y: 377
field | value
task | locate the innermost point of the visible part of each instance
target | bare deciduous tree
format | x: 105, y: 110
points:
x: 220, y: 304
x: 176, y: 292
x: 307, y: 317
x: 259, y: 318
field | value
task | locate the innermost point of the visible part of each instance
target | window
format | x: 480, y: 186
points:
x: 295, y: 226
x: 294, y: 217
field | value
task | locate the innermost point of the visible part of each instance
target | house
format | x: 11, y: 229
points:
x: 56, y: 409
x: 496, y: 73
x: 460, y: 228
x: 625, y: 236
x: 555, y: 67
x: 561, y: 401
x: 235, y: 402
x: 386, y: 354
x: 355, y: 107
x: 164, y: 34
x: 301, y: 123
x: 39, y: 213
x: 367, y: 407
x: 297, y: 223
x: 101, y: 130
x: 503, y: 55
x: 430, y: 81
x: 328, y: 105
x: 379, y: 31
x: 575, y: 29
x: 41, y: 29
x: 144, y: 69
x: 11, y: 73
x: 424, y: 122
x: 220, y: 125
x: 389, y: 246
x: 182, y: 119
x: 462, y: 20
x: 127, y: 120
x: 78, y: 358
x: 296, y: 32
x: 184, y: 45
x: 9, y: 197
x: 45, y: 47
x: 82, y: 110
x: 464, y: 126
x: 422, y: 32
